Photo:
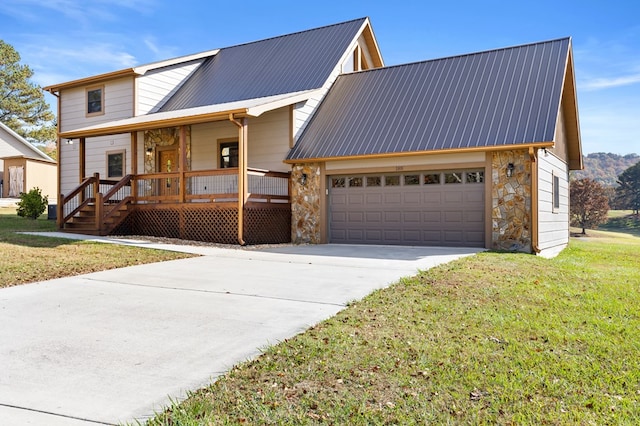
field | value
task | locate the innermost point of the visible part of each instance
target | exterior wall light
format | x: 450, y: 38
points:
x: 69, y: 141
x: 149, y: 152
x: 303, y: 179
x: 510, y: 168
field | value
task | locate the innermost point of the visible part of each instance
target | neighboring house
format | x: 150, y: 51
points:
x: 23, y: 167
x: 309, y: 138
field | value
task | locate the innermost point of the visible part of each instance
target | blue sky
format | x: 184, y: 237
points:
x: 62, y: 40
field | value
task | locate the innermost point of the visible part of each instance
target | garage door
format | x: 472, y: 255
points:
x: 418, y: 208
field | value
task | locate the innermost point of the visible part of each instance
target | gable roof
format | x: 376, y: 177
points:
x: 286, y: 64
x: 21, y: 145
x: 499, y: 98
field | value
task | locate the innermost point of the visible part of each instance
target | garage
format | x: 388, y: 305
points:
x: 439, y: 208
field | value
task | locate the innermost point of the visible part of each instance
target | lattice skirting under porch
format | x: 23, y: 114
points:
x: 263, y: 223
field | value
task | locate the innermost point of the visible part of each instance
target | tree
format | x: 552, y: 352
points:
x: 22, y: 104
x: 628, y: 193
x: 589, y: 203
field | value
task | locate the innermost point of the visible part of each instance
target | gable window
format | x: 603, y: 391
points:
x: 228, y: 154
x: 95, y: 100
x: 556, y: 193
x: 115, y: 164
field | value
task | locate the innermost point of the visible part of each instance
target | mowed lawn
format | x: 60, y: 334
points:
x: 28, y: 258
x: 496, y: 338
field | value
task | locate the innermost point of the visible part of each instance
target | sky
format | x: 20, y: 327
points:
x: 63, y: 40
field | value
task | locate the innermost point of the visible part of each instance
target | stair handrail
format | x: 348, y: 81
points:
x: 106, y: 213
x: 67, y: 198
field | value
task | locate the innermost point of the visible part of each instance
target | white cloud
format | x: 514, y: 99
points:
x: 606, y: 83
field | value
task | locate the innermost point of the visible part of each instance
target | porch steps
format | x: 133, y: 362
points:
x: 84, y: 222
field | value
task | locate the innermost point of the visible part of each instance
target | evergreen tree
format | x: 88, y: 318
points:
x: 628, y: 193
x: 22, y: 104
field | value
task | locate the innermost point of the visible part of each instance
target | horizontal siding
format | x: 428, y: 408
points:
x: 553, y: 227
x: 70, y: 164
x: 118, y: 104
x: 269, y: 140
x: 156, y: 87
x: 204, y: 143
x: 96, y: 149
x: 421, y: 161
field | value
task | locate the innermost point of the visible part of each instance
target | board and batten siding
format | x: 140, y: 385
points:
x: 553, y: 225
x: 118, y: 104
x: 155, y: 87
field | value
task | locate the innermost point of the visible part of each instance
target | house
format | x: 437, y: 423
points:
x: 308, y: 138
x: 23, y: 167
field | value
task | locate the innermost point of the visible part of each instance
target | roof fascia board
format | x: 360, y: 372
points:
x: 26, y: 143
x: 415, y: 153
x: 372, y: 45
x: 258, y: 110
x: 26, y: 157
x: 143, y: 69
x: 56, y: 88
x: 151, y: 124
x: 569, y: 99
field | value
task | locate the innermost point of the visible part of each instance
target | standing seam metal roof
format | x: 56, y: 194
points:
x: 500, y: 97
x: 285, y: 64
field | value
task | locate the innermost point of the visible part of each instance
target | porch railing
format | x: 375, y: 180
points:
x: 205, y: 186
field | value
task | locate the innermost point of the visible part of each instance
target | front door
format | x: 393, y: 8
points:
x: 168, y: 163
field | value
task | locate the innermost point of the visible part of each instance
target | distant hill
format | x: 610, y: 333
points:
x: 605, y: 167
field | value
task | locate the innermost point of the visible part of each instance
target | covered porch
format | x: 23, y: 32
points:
x: 189, y: 181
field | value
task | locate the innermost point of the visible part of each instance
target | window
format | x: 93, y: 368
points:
x: 374, y: 181
x: 475, y: 177
x: 392, y: 180
x: 95, y: 100
x: 556, y: 193
x: 412, y: 180
x: 432, y: 178
x: 228, y: 155
x: 337, y: 182
x: 355, y: 182
x: 453, y: 177
x: 115, y: 164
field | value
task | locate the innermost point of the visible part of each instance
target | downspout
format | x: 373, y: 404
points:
x: 242, y: 176
x: 533, y: 156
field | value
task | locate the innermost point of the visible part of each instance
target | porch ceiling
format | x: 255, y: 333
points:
x: 249, y: 107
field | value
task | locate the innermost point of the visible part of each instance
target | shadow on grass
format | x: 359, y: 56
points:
x: 11, y: 226
x: 629, y: 224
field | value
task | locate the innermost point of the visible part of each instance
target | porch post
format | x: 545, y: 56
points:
x: 82, y: 162
x: 134, y: 165
x: 242, y: 173
x: 183, y: 162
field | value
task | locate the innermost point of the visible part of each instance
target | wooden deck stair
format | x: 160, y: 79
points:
x: 84, y: 221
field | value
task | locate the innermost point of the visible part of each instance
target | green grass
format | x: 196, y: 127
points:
x: 622, y: 221
x: 29, y: 258
x: 492, y: 339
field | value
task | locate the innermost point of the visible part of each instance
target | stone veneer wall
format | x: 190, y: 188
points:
x: 305, y: 204
x: 164, y: 137
x: 511, y: 202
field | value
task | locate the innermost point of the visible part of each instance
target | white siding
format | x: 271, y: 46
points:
x: 553, y: 226
x: 269, y: 140
x: 118, y: 104
x: 155, y: 87
x: 70, y: 164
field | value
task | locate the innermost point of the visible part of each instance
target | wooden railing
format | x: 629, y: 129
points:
x: 213, y: 186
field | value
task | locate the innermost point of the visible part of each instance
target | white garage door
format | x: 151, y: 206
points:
x: 414, y: 208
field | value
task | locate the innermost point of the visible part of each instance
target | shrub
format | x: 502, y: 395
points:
x: 32, y: 204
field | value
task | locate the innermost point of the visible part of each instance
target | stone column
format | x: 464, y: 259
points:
x: 305, y: 203
x: 511, y: 201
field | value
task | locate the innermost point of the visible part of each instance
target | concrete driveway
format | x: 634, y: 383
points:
x: 114, y: 346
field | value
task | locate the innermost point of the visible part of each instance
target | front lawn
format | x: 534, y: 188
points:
x: 29, y: 258
x: 490, y: 339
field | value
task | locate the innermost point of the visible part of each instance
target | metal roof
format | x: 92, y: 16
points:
x: 501, y: 97
x: 285, y: 64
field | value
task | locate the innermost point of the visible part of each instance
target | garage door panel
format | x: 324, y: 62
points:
x: 425, y: 214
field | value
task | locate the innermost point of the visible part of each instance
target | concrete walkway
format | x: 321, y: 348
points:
x: 114, y: 346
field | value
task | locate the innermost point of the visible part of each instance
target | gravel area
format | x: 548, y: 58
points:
x: 177, y: 241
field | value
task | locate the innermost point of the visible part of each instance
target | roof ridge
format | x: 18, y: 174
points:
x: 462, y: 55
x: 294, y: 33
